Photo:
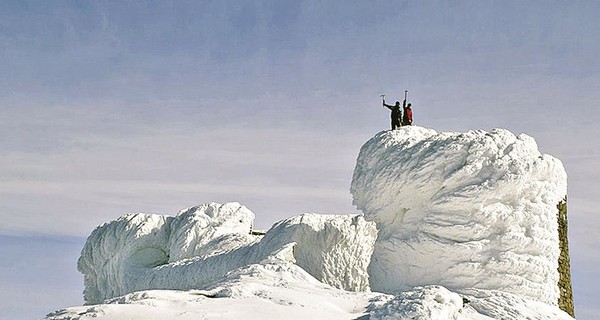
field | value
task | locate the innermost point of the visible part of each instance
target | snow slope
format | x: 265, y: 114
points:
x: 275, y: 288
x: 462, y: 210
x: 456, y: 226
x: 282, y: 290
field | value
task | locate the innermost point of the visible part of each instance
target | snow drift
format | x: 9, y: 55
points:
x: 198, y: 246
x: 461, y: 210
x: 279, y: 289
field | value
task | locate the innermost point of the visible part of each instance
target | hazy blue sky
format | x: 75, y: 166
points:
x: 108, y: 107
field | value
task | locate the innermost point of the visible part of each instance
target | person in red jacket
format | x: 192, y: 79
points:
x: 407, y: 117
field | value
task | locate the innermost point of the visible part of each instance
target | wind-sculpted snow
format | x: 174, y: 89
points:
x: 334, y: 249
x: 462, y: 210
x: 458, y: 226
x: 148, y: 251
x: 198, y: 246
x: 210, y: 229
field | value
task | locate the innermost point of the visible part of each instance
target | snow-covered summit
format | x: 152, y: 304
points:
x: 462, y: 210
x: 456, y: 226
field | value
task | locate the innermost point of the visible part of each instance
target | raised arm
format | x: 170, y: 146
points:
x: 387, y: 105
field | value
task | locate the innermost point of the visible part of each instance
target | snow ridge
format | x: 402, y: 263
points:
x: 195, y: 248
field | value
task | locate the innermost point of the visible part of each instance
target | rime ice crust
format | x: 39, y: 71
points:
x: 209, y: 229
x: 335, y: 249
x: 149, y: 251
x: 466, y: 230
x: 462, y: 210
x: 201, y: 244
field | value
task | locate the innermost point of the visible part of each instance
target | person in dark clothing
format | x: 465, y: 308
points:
x: 407, y: 118
x: 396, y: 114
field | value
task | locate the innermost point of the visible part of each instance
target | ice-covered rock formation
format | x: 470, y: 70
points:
x: 198, y: 246
x: 149, y: 251
x: 461, y: 210
x: 335, y: 249
x: 456, y: 226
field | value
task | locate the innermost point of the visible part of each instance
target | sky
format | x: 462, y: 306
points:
x: 111, y: 107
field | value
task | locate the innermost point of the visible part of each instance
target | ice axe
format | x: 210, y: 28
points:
x: 383, y: 97
x: 405, y: 94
